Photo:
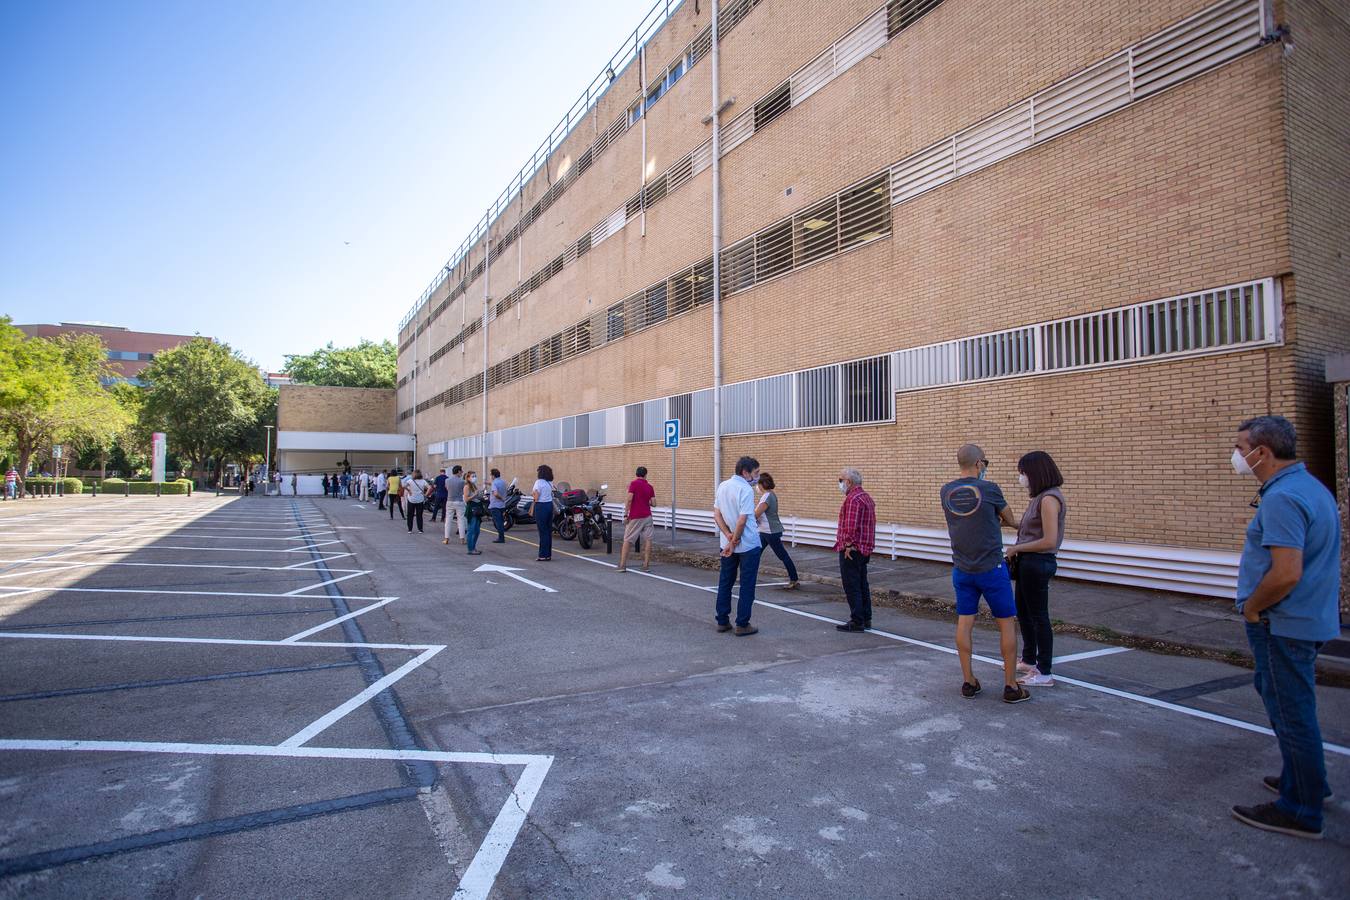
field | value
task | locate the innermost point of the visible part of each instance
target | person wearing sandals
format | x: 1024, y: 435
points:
x: 473, y: 512
x: 1032, y: 561
x: 974, y: 508
x: 543, y: 512
x: 771, y: 528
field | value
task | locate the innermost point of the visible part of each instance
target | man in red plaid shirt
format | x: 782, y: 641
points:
x: 854, y: 539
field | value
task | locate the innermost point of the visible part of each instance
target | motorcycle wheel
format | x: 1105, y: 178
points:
x: 584, y: 536
x: 567, y: 529
x: 507, y: 521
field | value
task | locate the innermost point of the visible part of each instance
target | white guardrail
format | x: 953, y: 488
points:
x: 1209, y: 573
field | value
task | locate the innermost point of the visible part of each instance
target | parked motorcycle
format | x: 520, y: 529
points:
x: 596, y: 524
x: 519, y: 510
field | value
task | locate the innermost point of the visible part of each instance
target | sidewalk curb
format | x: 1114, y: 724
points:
x: 929, y: 606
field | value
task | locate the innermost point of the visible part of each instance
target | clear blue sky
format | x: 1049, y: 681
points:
x: 197, y: 167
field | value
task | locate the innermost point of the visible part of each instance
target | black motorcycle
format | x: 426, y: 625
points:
x: 596, y: 524
x: 519, y: 510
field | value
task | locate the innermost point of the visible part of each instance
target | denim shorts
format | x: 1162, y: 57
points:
x: 995, y: 586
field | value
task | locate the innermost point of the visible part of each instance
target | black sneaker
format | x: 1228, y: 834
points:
x: 1268, y: 817
x: 1272, y: 783
x: 1017, y: 694
x: 850, y: 626
x: 723, y: 626
x: 969, y: 690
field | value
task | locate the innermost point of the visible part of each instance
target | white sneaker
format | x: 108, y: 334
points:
x: 1035, y: 679
x: 1024, y: 669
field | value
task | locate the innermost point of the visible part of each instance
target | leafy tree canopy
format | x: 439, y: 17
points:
x: 203, y: 395
x: 368, y: 365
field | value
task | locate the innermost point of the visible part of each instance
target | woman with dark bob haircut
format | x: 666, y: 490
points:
x: 1039, y: 536
x: 543, y: 512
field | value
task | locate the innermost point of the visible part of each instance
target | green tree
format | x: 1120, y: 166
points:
x: 368, y: 365
x: 50, y: 390
x: 201, y: 395
x: 109, y: 432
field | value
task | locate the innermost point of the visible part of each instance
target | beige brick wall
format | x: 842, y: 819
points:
x: 303, y: 407
x: 1182, y: 191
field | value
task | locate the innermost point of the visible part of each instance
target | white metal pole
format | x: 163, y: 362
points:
x: 716, y: 253
x: 642, y: 99
x: 487, y: 270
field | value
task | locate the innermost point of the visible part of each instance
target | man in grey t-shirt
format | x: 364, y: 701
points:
x: 454, y: 491
x: 975, y: 508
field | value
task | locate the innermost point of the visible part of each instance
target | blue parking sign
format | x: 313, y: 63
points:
x: 672, y: 433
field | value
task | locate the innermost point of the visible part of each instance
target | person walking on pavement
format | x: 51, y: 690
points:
x: 416, y: 491
x: 637, y: 520
x: 381, y: 487
x: 497, y: 505
x: 1032, y: 563
x: 1288, y: 591
x: 439, y: 496
x: 295, y: 486
x: 473, y: 512
x: 395, y: 494
x: 543, y: 511
x: 974, y: 508
x: 734, y: 510
x: 454, y: 489
x: 855, y: 537
x: 11, y: 483
x: 771, y: 528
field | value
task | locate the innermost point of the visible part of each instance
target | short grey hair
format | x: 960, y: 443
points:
x: 1275, y: 432
x: 853, y: 475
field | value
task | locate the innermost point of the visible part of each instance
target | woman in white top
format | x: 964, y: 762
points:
x: 415, y: 491
x: 543, y: 512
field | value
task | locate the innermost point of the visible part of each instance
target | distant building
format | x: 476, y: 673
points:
x: 129, y: 351
x: 275, y: 379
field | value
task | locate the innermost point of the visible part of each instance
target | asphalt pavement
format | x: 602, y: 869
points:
x: 203, y: 697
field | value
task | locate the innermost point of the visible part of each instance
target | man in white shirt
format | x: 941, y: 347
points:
x: 381, y: 485
x: 734, y: 512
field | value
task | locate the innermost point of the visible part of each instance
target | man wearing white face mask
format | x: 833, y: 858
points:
x: 1288, y: 591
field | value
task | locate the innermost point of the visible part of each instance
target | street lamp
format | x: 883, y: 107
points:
x: 267, y: 456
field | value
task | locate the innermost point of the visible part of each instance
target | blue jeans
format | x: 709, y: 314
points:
x: 774, y: 542
x: 748, y: 564
x: 1284, y: 679
x: 471, y: 535
x: 499, y: 522
x: 543, y: 520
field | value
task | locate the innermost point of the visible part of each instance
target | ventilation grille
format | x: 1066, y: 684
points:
x: 1188, y: 48
x: 1227, y: 318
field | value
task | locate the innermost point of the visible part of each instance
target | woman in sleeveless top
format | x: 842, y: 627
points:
x: 771, y: 528
x: 1039, y: 536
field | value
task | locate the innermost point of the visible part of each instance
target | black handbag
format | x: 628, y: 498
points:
x: 1013, y: 564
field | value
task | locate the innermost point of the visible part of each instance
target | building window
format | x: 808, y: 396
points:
x: 635, y: 113
x: 675, y: 73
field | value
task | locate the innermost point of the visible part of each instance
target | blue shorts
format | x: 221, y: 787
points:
x: 995, y: 586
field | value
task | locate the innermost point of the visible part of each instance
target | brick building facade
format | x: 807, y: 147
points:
x: 1109, y: 231
x: 129, y: 352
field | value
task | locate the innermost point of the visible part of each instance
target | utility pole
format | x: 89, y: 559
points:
x: 716, y: 251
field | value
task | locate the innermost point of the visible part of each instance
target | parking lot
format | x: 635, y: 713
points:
x: 277, y: 697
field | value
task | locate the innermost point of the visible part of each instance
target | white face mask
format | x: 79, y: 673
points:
x: 1023, y: 480
x: 843, y: 486
x: 1240, y: 464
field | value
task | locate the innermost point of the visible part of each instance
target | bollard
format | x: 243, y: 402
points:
x: 127, y: 488
x: 93, y: 489
x: 158, y: 485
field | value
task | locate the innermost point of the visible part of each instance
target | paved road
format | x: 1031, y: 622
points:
x: 242, y: 733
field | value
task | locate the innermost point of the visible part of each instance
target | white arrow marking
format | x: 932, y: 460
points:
x: 511, y: 573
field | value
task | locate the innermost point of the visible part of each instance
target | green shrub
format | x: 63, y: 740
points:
x: 185, y: 481
x: 119, y: 486
x: 68, y: 485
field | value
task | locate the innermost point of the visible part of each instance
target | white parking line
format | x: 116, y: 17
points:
x: 23, y: 588
x: 1090, y: 654
x: 481, y: 873
x: 311, y: 587
x: 331, y: 622
x: 243, y: 642
x: 313, y: 729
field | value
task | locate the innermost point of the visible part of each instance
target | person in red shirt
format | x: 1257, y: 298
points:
x: 637, y: 520
x: 855, y: 538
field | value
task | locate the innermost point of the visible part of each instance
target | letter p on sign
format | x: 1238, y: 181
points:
x: 672, y: 433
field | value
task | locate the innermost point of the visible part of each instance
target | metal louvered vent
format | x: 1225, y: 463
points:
x: 900, y: 14
x: 1190, y: 47
x: 773, y: 105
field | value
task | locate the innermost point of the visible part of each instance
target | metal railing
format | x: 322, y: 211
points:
x: 657, y: 16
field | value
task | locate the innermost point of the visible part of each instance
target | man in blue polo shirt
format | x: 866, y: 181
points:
x: 1288, y: 591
